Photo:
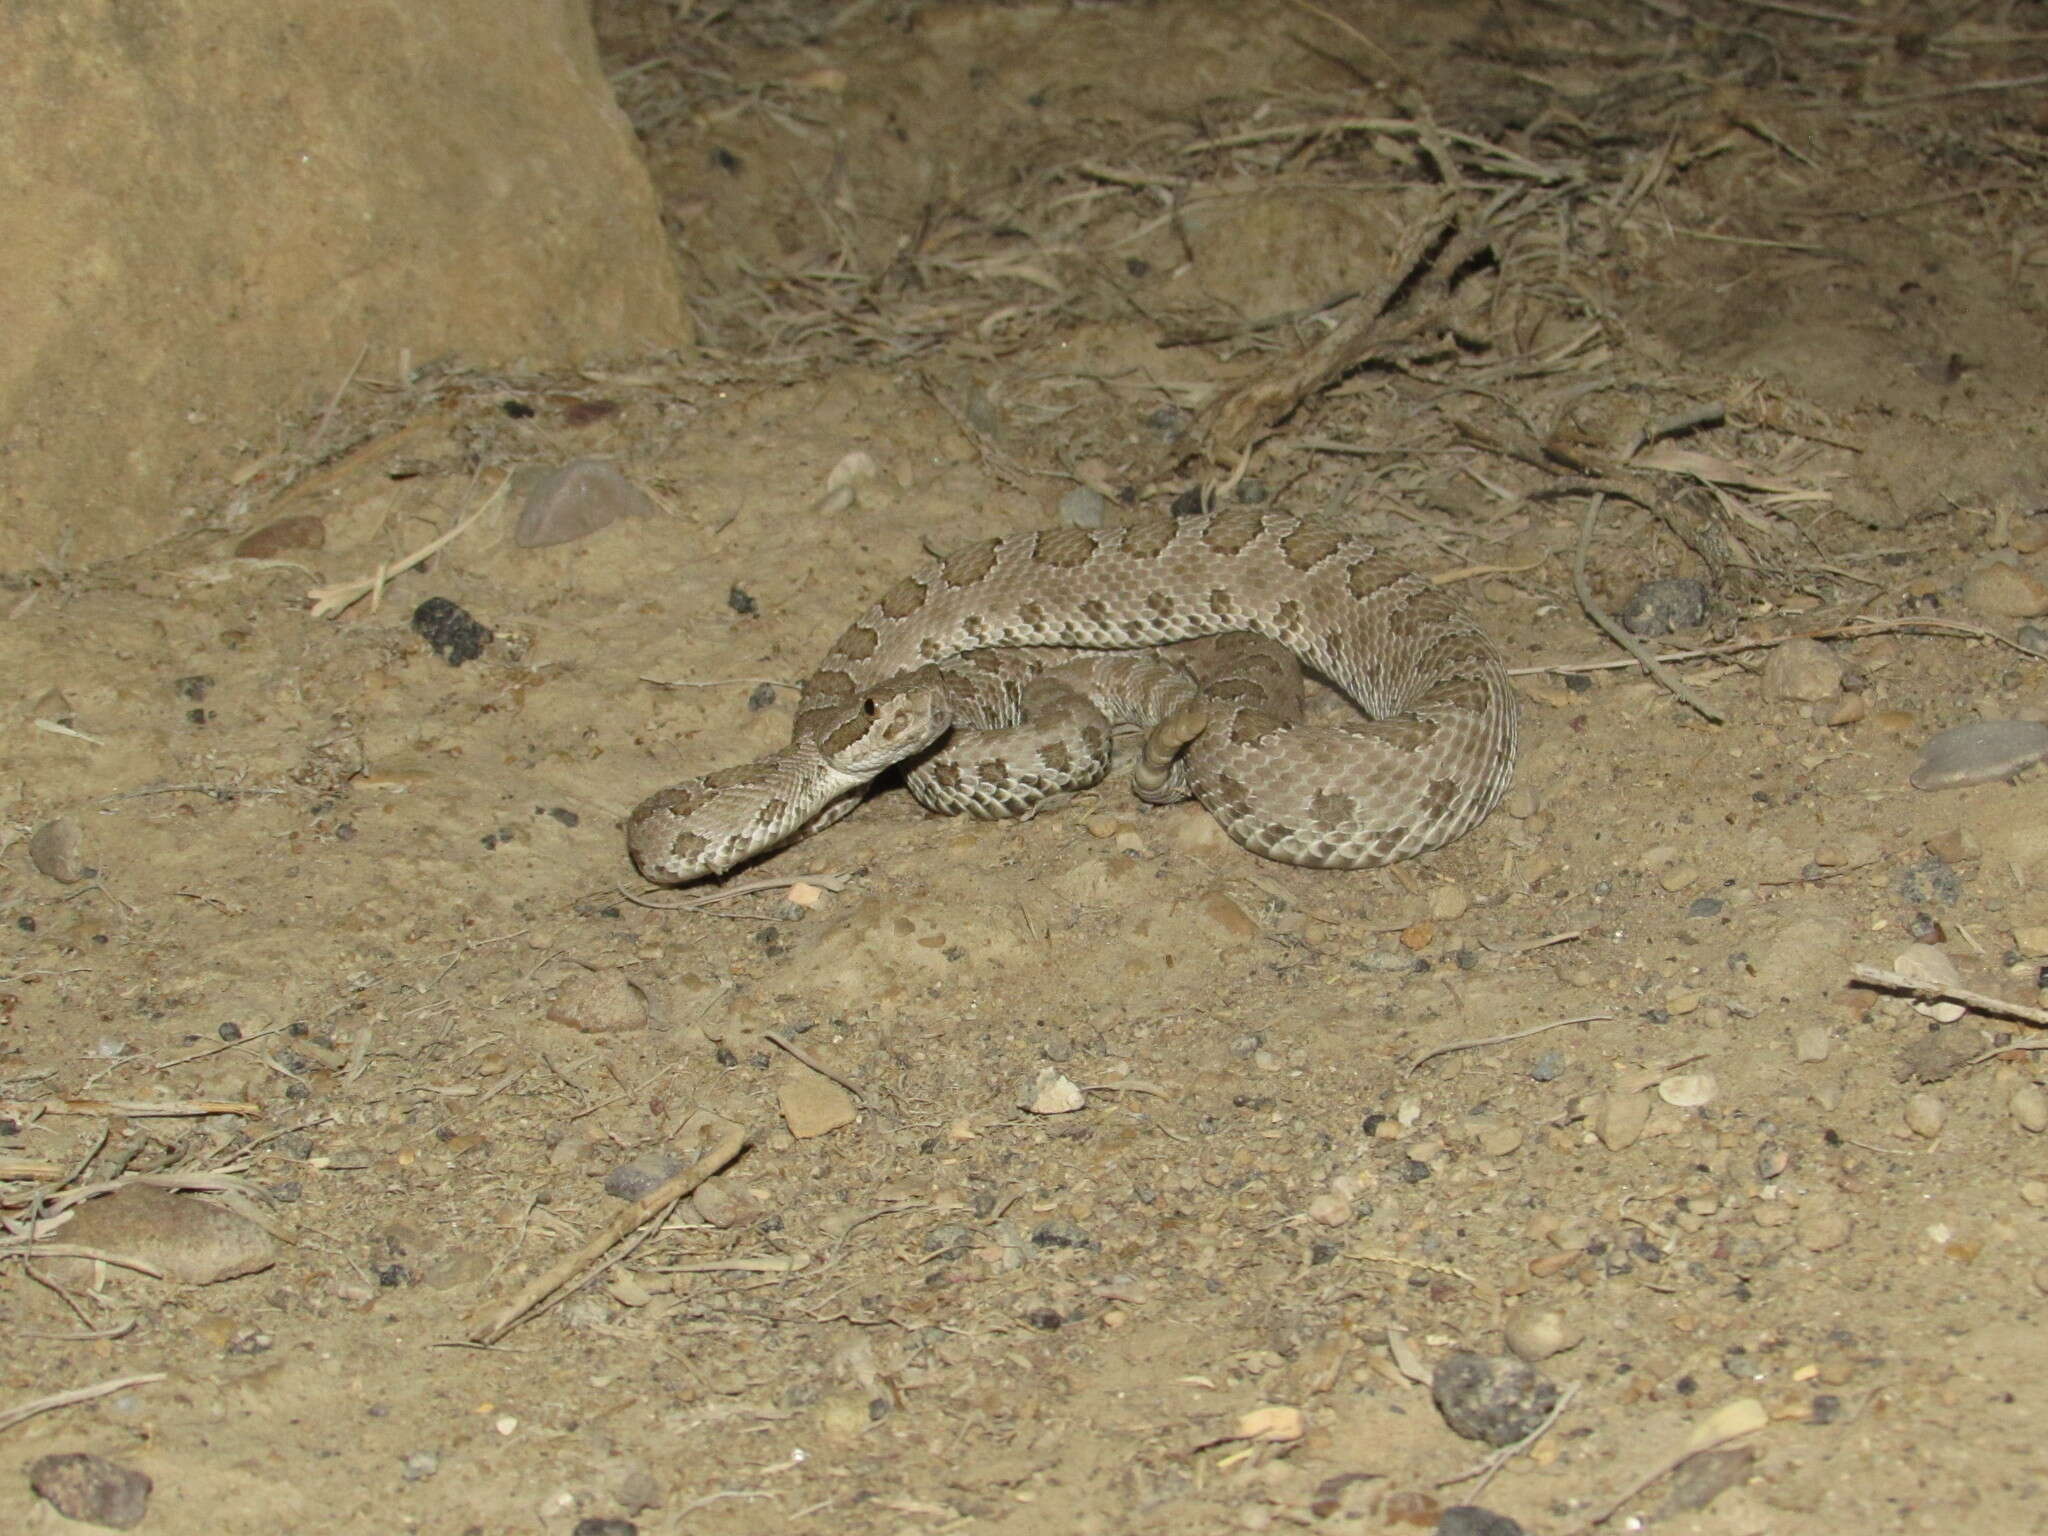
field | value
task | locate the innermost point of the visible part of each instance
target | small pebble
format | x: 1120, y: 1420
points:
x: 299, y: 531
x: 1495, y: 1399
x: 1803, y: 671
x: 91, y: 1489
x: 1925, y: 1115
x: 1844, y: 710
x: 2007, y: 591
x: 1811, y: 1044
x: 2028, y: 533
x: 599, y: 1003
x: 1054, y: 1093
x: 1659, y: 607
x: 419, y: 1466
x: 2030, y: 1108
x: 575, y: 501
x: 1958, y: 845
x: 1687, y: 1090
x: 1537, y: 1333
x: 54, y: 850
x: 1329, y: 1210
x: 1928, y: 965
x: 1477, y: 1520
x: 1677, y: 877
x: 1704, y: 1477
x: 723, y: 1204
x: 1500, y: 1140
x: 1979, y: 753
x: 1824, y: 1230
x: 1620, y: 1119
x: 642, y: 1176
x: 1083, y: 508
x: 812, y: 1104
x: 1928, y: 883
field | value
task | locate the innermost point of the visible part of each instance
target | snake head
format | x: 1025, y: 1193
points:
x: 883, y: 728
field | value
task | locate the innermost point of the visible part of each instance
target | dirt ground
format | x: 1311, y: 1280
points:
x: 1745, y: 295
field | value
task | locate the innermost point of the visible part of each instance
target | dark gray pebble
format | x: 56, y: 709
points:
x: 629, y: 1181
x: 1659, y: 607
x: 92, y: 1489
x: 1472, y: 1520
x: 448, y: 628
x: 1703, y: 1477
x: 1930, y: 883
x: 1494, y: 1398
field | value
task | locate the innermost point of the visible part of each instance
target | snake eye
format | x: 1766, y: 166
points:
x: 867, y: 707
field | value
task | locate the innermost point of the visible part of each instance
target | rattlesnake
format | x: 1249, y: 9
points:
x: 1434, y: 757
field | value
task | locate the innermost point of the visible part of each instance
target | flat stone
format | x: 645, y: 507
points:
x: 298, y: 531
x: 92, y: 1489
x: 813, y: 1105
x: 189, y: 1240
x: 577, y: 500
x: 54, y: 849
x: 2007, y: 591
x: 1804, y: 671
x: 600, y: 1003
x: 1979, y: 753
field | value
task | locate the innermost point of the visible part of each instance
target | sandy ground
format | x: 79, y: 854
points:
x: 1595, y: 1082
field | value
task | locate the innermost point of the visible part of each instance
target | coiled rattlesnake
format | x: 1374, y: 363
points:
x: 1430, y: 756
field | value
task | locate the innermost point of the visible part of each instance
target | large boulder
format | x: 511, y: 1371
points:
x: 215, y: 207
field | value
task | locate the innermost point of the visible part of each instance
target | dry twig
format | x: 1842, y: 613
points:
x: 1421, y: 1058
x: 1983, y: 1002
x: 558, y: 1279
x: 332, y: 600
x: 28, y: 1410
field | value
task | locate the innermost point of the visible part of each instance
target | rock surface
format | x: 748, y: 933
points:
x: 451, y: 181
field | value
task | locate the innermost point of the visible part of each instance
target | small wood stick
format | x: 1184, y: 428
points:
x: 28, y: 1410
x: 1482, y: 1043
x: 814, y: 1064
x: 132, y: 1109
x: 558, y: 1278
x: 334, y: 599
x: 1982, y: 1001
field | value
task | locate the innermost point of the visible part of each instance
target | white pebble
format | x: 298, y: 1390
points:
x: 2030, y: 1108
x: 1811, y: 1044
x: 1329, y: 1210
x: 1535, y: 1333
x: 1926, y: 1115
x: 1687, y: 1090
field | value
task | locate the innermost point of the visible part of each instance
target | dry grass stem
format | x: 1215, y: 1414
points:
x: 327, y: 601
